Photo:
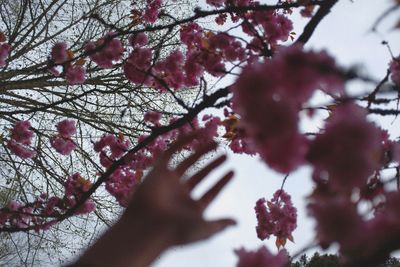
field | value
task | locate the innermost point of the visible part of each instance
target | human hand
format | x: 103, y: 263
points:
x: 163, y: 202
x: 161, y: 214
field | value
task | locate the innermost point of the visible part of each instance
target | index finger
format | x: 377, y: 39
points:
x: 212, y: 193
x: 176, y: 146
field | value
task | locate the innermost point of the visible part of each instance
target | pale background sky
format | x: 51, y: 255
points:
x: 346, y: 34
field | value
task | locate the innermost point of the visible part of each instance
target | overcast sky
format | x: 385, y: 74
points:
x: 346, y: 34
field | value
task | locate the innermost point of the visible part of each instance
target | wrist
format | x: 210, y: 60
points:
x: 130, y: 242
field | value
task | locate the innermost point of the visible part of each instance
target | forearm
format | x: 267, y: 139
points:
x: 127, y: 243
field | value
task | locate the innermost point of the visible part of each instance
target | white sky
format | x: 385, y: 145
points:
x: 345, y: 33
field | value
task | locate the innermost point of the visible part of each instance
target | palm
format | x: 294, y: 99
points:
x: 165, y: 201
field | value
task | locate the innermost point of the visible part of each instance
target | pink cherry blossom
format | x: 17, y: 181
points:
x: 59, y: 52
x: 111, y: 148
x: 66, y: 128
x: 137, y: 66
x: 5, y: 49
x: 276, y: 217
x: 62, y: 142
x: 138, y: 40
x: 152, y: 117
x: 277, y: 27
x: 63, y: 145
x: 75, y: 74
x: 108, y: 50
x: 261, y: 258
x: 268, y: 102
x: 152, y: 10
x: 22, y: 133
x: 170, y: 71
x: 337, y: 221
x: 395, y: 70
x: 191, y: 34
x: 87, y: 207
x: 348, y: 150
x: 121, y: 184
x: 21, y: 138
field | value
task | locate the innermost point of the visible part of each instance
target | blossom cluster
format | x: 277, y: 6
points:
x: 21, y: 139
x: 395, y: 71
x: 346, y: 155
x: 62, y: 142
x: 60, y: 55
x: 105, y: 51
x: 261, y: 26
x: 205, y: 52
x: 277, y: 82
x: 348, y: 230
x: 21, y: 136
x: 5, y: 49
x: 268, y: 102
x: 122, y: 182
x: 153, y: 9
x: 44, y: 211
x: 261, y: 258
x: 276, y: 217
x: 348, y: 151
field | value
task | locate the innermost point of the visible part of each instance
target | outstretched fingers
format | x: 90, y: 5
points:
x: 176, y: 146
x: 184, y: 165
x: 193, y: 181
x: 213, y: 192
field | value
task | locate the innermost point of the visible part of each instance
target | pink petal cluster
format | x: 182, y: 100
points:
x: 5, y: 49
x: 75, y: 187
x: 62, y: 145
x: 153, y: 117
x: 137, y: 66
x: 59, y: 52
x: 276, y: 27
x: 268, y: 102
x: 349, y: 150
x: 205, y: 52
x: 191, y: 34
x: 138, y: 40
x: 66, y: 128
x: 22, y: 133
x: 261, y: 258
x: 218, y: 3
x: 62, y: 142
x: 111, y: 148
x: 337, y: 221
x: 75, y: 74
x: 43, y: 212
x: 16, y: 214
x: 20, y: 139
x: 105, y: 51
x: 208, y: 51
x: 122, y: 183
x: 276, y: 217
x: 152, y: 10
x: 170, y: 70
x: 395, y: 71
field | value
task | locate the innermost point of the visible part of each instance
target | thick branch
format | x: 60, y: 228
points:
x: 309, y: 29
